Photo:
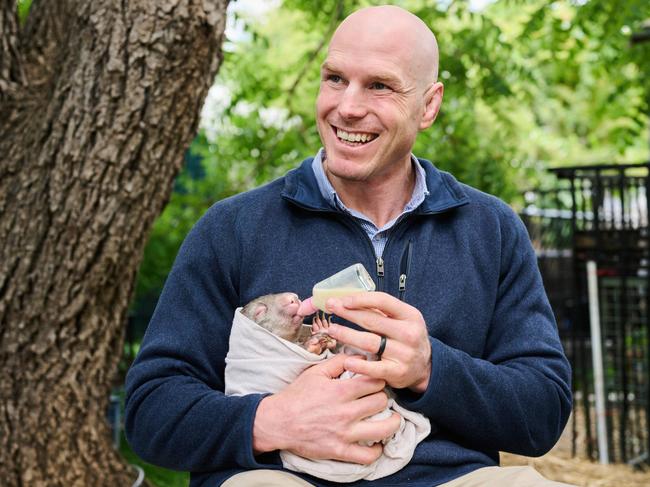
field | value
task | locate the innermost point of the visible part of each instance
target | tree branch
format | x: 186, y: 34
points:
x: 11, y: 73
x: 43, y: 39
x: 90, y: 148
x: 30, y: 57
x: 338, y: 15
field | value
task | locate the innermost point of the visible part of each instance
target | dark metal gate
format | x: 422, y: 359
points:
x: 600, y: 213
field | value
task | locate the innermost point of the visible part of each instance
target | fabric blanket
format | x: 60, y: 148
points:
x: 259, y: 362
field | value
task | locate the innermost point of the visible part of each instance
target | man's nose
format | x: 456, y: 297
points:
x: 352, y: 104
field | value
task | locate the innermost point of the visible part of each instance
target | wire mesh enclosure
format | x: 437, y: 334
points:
x: 600, y: 213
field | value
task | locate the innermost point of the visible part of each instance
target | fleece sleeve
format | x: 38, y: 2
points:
x: 177, y: 415
x: 516, y: 397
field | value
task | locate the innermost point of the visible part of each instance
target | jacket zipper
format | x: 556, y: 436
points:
x: 380, y: 267
x: 379, y: 262
x: 405, y: 266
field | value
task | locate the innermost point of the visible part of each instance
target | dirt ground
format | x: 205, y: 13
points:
x: 561, y: 467
x: 558, y: 465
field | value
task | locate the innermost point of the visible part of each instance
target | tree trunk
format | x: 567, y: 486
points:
x: 98, y: 101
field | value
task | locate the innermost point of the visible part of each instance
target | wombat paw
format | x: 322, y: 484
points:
x: 319, y: 342
x: 320, y: 324
x: 330, y: 343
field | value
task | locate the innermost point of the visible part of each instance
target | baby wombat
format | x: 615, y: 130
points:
x: 278, y: 313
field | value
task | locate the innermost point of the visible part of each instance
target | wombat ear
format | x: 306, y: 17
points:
x: 260, y: 310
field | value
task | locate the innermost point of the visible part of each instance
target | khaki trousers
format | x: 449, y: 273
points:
x: 483, y: 477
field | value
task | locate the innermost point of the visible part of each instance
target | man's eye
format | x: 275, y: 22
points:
x: 335, y: 78
x: 379, y: 86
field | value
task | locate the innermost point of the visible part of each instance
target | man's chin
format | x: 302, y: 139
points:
x: 347, y: 168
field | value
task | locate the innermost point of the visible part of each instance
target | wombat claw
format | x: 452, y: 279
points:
x: 320, y: 324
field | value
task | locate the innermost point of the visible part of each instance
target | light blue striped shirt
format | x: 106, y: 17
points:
x: 378, y: 236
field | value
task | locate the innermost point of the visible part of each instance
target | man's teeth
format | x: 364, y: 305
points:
x: 354, y: 137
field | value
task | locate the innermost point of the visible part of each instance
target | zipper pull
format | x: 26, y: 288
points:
x: 402, y: 283
x: 380, y: 267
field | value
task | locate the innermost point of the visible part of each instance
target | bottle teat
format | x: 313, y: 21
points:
x: 307, y: 307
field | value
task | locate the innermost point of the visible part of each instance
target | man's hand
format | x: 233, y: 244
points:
x: 406, y: 360
x: 321, y: 417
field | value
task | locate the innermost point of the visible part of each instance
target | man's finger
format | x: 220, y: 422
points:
x: 373, y: 369
x: 364, y: 455
x: 368, y: 405
x: 362, y: 340
x: 386, y: 303
x: 376, y: 430
x: 331, y: 368
x: 360, y: 386
x: 368, y: 319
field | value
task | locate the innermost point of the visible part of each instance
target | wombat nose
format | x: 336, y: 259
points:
x: 289, y: 299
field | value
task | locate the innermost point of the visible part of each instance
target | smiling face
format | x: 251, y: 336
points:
x: 377, y: 91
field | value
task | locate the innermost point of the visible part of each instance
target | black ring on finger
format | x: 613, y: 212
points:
x: 382, y: 347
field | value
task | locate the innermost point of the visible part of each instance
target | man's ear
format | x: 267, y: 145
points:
x: 432, y: 100
x: 260, y: 311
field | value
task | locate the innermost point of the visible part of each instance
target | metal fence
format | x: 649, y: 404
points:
x: 600, y: 213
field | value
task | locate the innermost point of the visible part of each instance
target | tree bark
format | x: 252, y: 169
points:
x: 98, y: 102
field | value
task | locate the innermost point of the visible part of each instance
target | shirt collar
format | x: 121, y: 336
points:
x: 420, y: 190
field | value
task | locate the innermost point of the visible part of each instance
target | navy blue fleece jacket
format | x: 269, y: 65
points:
x: 499, y: 377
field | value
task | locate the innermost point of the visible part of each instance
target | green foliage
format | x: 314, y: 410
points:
x: 188, y: 202
x: 528, y: 85
x: 156, y: 476
x: 23, y: 9
x: 533, y: 84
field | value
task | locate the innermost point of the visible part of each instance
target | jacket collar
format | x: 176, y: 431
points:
x: 445, y: 193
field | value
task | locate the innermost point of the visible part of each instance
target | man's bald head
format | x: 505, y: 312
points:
x: 389, y: 25
x: 378, y: 90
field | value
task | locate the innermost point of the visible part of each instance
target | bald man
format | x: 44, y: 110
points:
x: 460, y: 320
